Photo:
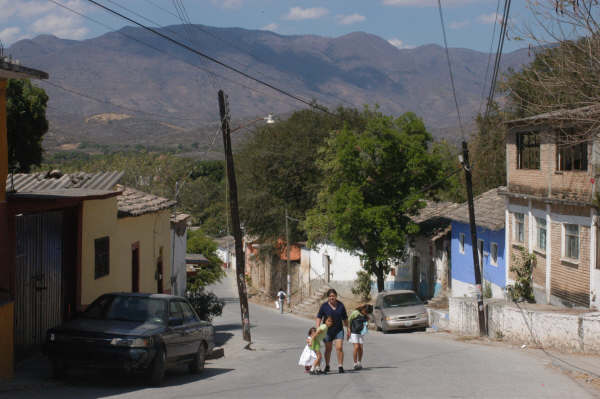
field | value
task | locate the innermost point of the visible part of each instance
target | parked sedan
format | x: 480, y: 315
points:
x: 397, y: 310
x: 132, y: 332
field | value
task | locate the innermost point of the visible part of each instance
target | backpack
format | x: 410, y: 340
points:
x: 358, y: 324
x: 281, y: 295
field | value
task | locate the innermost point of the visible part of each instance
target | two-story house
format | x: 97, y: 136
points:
x: 550, y: 207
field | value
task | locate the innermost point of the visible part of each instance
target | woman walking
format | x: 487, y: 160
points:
x: 335, y: 334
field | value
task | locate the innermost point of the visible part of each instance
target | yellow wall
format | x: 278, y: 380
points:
x: 151, y: 230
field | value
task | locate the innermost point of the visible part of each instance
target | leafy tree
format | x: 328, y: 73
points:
x: 26, y: 123
x: 200, y: 243
x: 371, y: 187
x: 454, y: 188
x: 276, y: 168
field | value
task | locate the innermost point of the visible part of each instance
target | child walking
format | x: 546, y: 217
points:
x: 315, y: 344
x: 358, y: 321
x: 308, y: 356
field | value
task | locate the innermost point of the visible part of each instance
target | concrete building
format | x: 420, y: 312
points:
x: 489, y: 217
x: 552, y: 171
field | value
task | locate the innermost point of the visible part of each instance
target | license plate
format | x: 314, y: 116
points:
x: 407, y: 323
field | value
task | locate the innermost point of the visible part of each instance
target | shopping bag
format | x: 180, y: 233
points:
x: 277, y: 304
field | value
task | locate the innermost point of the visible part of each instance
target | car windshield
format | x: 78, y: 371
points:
x: 128, y: 308
x: 398, y: 300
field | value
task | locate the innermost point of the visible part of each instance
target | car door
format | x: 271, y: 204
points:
x: 174, y: 338
x: 192, y: 327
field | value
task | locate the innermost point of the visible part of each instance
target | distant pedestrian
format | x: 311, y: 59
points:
x: 358, y: 321
x: 335, y: 309
x: 308, y: 356
x: 281, y: 295
x: 317, y: 336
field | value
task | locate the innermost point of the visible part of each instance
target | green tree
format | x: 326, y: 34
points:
x: 371, y: 187
x: 200, y: 243
x: 276, y: 168
x: 26, y: 124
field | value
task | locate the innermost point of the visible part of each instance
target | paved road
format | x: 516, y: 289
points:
x: 404, y: 365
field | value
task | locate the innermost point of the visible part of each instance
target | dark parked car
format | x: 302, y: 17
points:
x: 132, y: 332
x: 398, y: 310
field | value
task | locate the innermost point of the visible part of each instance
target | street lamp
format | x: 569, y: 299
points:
x: 269, y: 120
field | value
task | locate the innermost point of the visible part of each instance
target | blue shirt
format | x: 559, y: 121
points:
x: 339, y: 315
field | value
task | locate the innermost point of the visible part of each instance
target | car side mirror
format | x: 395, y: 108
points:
x: 175, y: 321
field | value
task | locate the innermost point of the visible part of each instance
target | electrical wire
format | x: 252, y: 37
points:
x: 212, y: 59
x: 489, y: 61
x: 462, y: 129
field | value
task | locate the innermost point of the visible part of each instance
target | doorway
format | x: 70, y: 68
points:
x: 159, y: 272
x: 135, y: 267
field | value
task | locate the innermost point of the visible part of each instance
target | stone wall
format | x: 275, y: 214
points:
x: 549, y: 329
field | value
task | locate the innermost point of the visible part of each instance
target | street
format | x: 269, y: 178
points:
x: 402, y: 365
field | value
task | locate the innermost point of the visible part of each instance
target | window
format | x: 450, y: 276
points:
x: 571, y: 241
x: 188, y: 314
x: 528, y: 151
x: 519, y: 227
x: 494, y: 253
x: 571, y: 156
x: 175, y: 311
x: 101, y: 257
x: 541, y: 233
x: 461, y: 243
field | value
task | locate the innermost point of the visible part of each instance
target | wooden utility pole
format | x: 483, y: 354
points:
x: 235, y: 217
x: 469, y: 182
x: 287, y: 244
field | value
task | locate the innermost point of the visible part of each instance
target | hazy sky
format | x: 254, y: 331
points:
x: 405, y: 23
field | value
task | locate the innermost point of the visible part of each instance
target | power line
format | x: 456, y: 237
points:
x: 186, y: 20
x: 487, y: 68
x: 462, y: 130
x: 212, y: 59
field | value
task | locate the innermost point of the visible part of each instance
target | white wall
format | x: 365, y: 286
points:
x: 343, y: 265
x: 178, y: 270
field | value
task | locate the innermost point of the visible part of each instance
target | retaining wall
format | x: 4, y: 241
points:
x: 550, y: 329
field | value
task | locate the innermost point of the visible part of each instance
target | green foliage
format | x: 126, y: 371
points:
x: 26, y: 124
x: 372, y: 179
x: 199, y: 243
x: 454, y: 189
x: 487, y: 289
x: 522, y: 265
x: 206, y: 304
x: 362, y: 285
x: 276, y: 168
x: 199, y: 186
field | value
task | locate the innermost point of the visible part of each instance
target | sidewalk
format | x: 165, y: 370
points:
x: 33, y: 373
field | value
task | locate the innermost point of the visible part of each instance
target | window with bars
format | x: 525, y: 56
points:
x: 528, y: 151
x: 571, y: 241
x: 462, y: 243
x: 101, y: 257
x: 541, y: 233
x: 519, y: 227
x: 571, y: 156
x: 494, y: 254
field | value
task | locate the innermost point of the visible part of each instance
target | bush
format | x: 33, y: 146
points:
x: 206, y: 304
x: 522, y: 289
x: 362, y: 285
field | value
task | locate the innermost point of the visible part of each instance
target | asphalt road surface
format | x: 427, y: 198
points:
x: 401, y: 365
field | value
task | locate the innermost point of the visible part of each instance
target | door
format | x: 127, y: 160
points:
x: 159, y: 272
x: 135, y: 267
x: 39, y: 262
x: 193, y: 329
x: 175, y: 337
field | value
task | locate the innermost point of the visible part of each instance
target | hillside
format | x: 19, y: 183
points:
x: 177, y: 90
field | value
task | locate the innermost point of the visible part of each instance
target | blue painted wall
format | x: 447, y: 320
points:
x: 462, y: 263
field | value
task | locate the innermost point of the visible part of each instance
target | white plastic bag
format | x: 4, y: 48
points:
x: 277, y: 304
x: 308, y: 357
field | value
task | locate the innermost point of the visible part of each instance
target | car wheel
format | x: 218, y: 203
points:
x: 197, y: 365
x: 59, y: 369
x: 157, y: 369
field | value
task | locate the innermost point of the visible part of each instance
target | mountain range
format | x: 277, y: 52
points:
x: 131, y: 87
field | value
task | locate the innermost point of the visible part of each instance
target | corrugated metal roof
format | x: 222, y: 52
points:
x: 55, y: 181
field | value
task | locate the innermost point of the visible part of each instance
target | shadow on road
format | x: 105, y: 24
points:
x: 222, y: 337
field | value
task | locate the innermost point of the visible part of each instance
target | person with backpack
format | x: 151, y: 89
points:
x: 281, y: 295
x: 358, y: 321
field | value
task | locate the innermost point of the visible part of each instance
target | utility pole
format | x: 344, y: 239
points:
x: 235, y: 217
x: 287, y: 241
x: 468, y: 179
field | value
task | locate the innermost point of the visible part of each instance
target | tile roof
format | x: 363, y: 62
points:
x: 133, y: 202
x: 433, y: 218
x: 79, y: 184
x: 10, y: 69
x: 489, y: 210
